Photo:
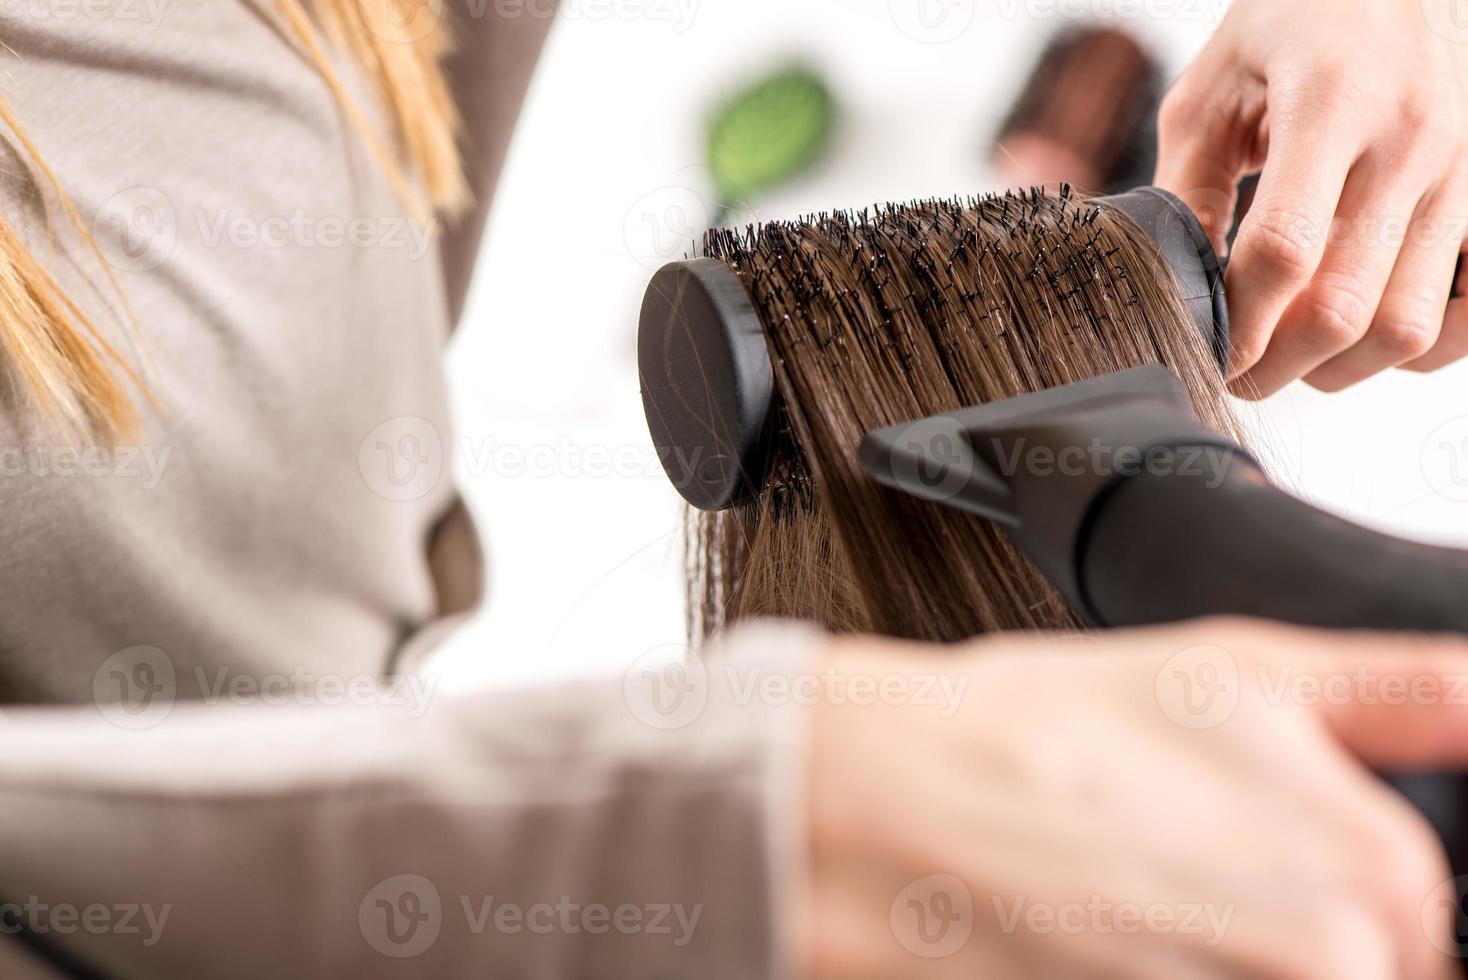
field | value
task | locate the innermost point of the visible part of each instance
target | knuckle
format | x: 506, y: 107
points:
x: 1433, y: 361
x: 1329, y: 381
x: 1178, y: 110
x: 1417, y: 113
x: 1286, y: 241
x: 1341, y: 938
x: 1407, y: 860
x: 1253, y: 642
x: 1430, y: 656
x: 1237, y: 626
x: 1431, y: 141
x: 1246, y: 351
x: 1338, y: 314
x: 1334, y: 84
x: 1439, y: 134
x: 1420, y: 107
x: 1404, y: 337
x: 1333, y: 73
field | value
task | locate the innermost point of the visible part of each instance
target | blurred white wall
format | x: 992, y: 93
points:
x: 606, y: 182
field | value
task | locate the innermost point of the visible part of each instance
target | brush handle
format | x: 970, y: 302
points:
x: 1166, y: 548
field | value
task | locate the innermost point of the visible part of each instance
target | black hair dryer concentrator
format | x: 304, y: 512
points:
x: 1135, y: 511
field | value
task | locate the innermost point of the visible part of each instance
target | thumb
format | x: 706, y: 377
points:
x: 1197, y: 160
x: 1394, y: 702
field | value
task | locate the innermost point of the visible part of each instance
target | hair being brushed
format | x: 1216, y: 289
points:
x: 879, y: 318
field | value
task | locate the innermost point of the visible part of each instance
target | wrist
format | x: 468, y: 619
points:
x: 867, y: 825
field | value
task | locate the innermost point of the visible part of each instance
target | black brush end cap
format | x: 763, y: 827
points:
x: 707, y: 382
x: 1180, y: 237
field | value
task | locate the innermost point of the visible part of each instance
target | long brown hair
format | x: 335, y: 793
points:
x: 878, y: 318
x: 71, y: 374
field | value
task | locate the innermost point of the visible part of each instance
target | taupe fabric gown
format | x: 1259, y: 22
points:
x: 290, y: 520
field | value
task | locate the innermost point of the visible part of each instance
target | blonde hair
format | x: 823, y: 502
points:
x: 64, y: 366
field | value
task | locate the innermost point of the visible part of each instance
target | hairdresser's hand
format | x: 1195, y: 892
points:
x: 1147, y: 804
x: 1355, y: 109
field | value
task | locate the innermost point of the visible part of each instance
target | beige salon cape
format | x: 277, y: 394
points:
x: 289, y: 519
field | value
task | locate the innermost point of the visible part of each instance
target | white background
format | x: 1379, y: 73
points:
x: 605, y: 182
